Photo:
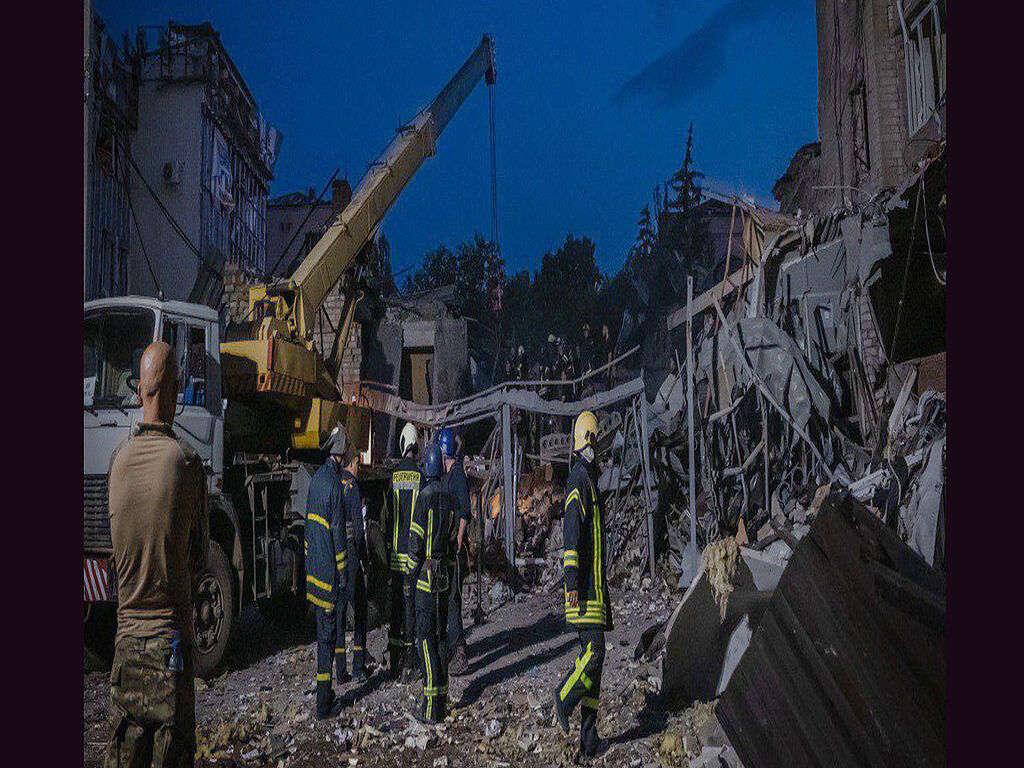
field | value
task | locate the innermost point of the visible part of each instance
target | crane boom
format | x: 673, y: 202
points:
x: 275, y: 357
x: 320, y: 271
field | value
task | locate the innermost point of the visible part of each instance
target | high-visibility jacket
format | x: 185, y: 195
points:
x: 432, y: 538
x: 326, y: 543
x: 585, y: 550
x: 405, y: 489
x: 355, y: 536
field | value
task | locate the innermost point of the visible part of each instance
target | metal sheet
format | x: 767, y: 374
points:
x: 847, y: 667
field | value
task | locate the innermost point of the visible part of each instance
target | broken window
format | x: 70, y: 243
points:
x: 925, y: 44
x: 861, y: 151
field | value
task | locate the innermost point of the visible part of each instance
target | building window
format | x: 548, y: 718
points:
x: 925, y: 44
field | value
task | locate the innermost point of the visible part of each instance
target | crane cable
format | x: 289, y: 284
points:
x: 494, y: 170
x: 494, y: 215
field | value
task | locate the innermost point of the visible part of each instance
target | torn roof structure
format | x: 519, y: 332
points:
x: 807, y: 354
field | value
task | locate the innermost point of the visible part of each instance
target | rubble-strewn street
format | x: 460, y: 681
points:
x: 682, y: 401
x: 260, y: 711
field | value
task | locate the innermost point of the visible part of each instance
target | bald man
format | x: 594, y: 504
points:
x: 159, y: 531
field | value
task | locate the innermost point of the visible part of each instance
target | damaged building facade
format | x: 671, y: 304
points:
x: 112, y: 113
x: 881, y: 102
x: 208, y: 155
x: 179, y: 159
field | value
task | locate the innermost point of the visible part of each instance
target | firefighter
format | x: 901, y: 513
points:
x: 456, y: 485
x: 326, y: 571
x: 588, y: 606
x: 405, y: 487
x: 354, y: 594
x: 431, y: 548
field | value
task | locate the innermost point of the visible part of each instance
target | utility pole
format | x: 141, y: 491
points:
x: 691, y: 561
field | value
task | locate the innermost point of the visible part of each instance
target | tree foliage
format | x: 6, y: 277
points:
x: 568, y: 290
x: 475, y: 268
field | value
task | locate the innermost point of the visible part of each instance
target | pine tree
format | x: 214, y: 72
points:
x: 686, y: 191
x: 643, y: 246
x: 685, y: 244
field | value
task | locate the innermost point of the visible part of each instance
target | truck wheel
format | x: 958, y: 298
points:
x: 213, y: 612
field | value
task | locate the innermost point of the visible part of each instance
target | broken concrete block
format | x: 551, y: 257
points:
x: 710, y: 757
x: 711, y: 734
x: 697, y: 637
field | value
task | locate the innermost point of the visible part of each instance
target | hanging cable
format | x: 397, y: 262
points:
x: 142, y: 243
x: 928, y: 238
x: 494, y: 170
x: 167, y: 214
x: 906, y: 274
x: 145, y: 255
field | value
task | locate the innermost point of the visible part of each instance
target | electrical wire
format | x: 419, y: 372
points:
x: 142, y: 243
x: 167, y: 214
x: 928, y: 238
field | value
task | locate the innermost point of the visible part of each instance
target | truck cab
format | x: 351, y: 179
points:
x: 117, y: 331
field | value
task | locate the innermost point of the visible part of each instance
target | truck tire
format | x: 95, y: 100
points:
x: 213, y: 612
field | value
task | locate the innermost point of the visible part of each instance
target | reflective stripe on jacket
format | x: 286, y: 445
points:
x: 405, y: 489
x: 585, y: 549
x: 432, y: 536
x: 325, y: 545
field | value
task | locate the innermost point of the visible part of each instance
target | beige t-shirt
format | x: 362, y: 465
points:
x: 159, y: 529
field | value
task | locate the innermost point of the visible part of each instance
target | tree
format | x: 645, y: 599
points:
x: 686, y: 247
x: 644, y: 243
x: 474, y: 268
x: 520, y: 321
x: 565, y: 288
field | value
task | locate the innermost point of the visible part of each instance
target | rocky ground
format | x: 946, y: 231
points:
x: 259, y: 712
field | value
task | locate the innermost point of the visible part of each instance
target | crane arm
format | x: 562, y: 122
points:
x: 377, y: 191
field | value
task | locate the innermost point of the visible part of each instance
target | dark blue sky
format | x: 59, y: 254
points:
x: 593, y: 103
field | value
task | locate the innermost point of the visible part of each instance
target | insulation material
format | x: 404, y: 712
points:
x: 719, y: 561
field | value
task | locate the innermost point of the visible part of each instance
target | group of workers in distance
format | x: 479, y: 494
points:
x: 428, y: 516
x: 159, y: 532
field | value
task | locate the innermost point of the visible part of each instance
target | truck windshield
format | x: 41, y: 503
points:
x: 112, y: 339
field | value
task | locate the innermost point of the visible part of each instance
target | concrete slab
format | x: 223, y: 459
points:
x: 697, y: 638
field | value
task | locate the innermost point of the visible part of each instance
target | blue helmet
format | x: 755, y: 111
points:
x: 433, y: 464
x: 447, y: 442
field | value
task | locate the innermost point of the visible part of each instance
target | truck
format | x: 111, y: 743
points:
x: 256, y: 402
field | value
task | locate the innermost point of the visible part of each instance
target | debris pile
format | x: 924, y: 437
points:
x: 819, y: 363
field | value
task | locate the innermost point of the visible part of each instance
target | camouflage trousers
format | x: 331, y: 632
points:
x: 152, y: 706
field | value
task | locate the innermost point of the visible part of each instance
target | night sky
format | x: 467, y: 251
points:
x: 593, y: 103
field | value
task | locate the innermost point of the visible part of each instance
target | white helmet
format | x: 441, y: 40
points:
x: 408, y: 438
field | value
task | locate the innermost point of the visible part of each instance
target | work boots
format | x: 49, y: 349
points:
x: 591, y: 745
x: 559, y: 716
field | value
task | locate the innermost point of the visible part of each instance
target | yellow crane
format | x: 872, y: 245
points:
x: 276, y: 358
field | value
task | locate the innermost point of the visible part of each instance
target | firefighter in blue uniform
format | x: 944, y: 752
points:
x: 326, y: 573
x: 354, y: 593
x: 455, y: 483
x: 588, y: 606
x: 431, y: 549
x: 405, y: 488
